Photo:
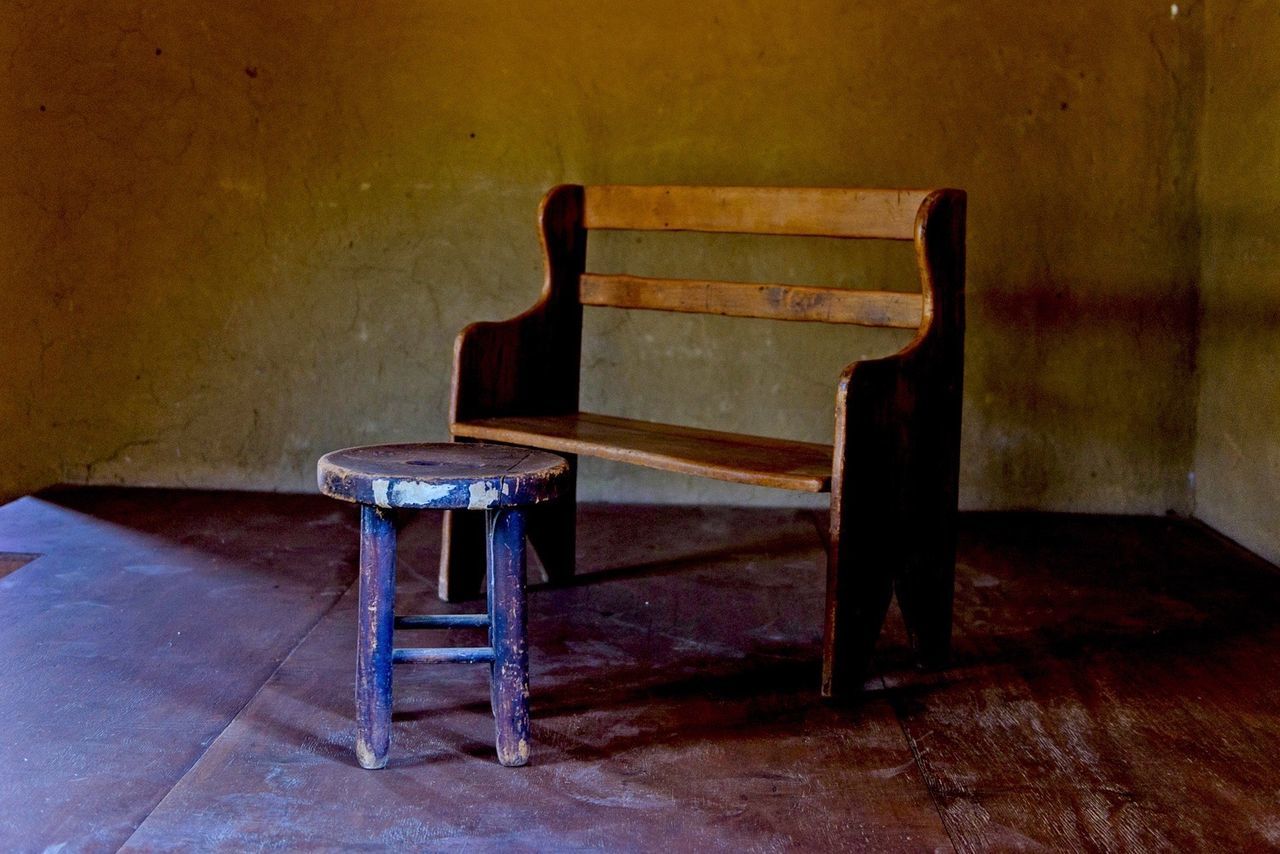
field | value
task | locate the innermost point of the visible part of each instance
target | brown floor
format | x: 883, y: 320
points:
x: 178, y: 675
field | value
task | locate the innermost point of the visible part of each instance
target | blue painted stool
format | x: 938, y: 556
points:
x: 498, y: 479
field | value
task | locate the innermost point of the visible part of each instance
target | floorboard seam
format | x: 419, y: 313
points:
x: 196, y: 761
x: 920, y: 767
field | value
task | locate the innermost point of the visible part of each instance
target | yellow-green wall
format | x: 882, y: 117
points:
x: 238, y: 234
x: 1237, y: 460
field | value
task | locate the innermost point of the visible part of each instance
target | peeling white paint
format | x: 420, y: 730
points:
x: 380, y: 492
x: 482, y: 495
x: 407, y: 494
x: 365, y: 755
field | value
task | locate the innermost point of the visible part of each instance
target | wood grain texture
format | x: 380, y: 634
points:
x: 1113, y: 689
x: 756, y: 460
x: 808, y: 211
x: 744, y: 299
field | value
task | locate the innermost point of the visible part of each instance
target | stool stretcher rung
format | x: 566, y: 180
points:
x: 444, y: 621
x: 445, y: 655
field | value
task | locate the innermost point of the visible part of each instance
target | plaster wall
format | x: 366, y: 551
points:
x: 239, y: 234
x: 1237, y: 459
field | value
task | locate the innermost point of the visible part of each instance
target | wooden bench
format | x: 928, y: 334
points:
x: 893, y: 467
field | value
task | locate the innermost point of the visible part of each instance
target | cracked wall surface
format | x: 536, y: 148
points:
x: 241, y: 234
x: 1237, y: 460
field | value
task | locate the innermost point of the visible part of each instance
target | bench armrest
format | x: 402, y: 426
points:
x: 527, y: 365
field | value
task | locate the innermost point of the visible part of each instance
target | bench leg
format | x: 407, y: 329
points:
x: 553, y: 528
x: 859, y: 587
x: 878, y: 550
x: 510, y: 682
x: 552, y: 531
x: 926, y: 590
x: 373, y: 642
x: 462, y: 559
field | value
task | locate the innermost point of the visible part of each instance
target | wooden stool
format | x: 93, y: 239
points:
x: 498, y: 479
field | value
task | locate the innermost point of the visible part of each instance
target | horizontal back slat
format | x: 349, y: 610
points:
x: 741, y: 299
x: 808, y: 211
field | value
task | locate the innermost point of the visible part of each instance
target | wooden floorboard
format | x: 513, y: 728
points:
x: 145, y: 624
x: 675, y: 707
x: 1115, y: 688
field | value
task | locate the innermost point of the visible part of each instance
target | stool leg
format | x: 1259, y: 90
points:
x: 491, y: 599
x: 373, y: 642
x: 510, y: 683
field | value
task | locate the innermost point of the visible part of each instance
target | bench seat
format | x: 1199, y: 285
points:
x: 756, y: 460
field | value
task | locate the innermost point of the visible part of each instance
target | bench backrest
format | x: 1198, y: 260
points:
x: 806, y: 211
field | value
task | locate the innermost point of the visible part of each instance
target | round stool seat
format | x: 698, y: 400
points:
x: 442, y: 476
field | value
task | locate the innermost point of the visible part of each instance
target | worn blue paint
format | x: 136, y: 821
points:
x: 444, y: 621
x: 507, y: 652
x: 509, y: 681
x: 500, y: 480
x: 445, y: 655
x: 374, y: 639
